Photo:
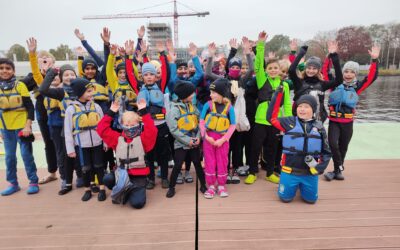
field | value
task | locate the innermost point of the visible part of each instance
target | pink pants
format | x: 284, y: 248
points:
x: 215, y: 161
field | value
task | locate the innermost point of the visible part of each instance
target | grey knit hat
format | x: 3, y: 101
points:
x: 314, y: 61
x: 353, y: 66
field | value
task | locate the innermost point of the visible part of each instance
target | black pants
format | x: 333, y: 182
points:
x: 161, y: 152
x: 267, y: 136
x: 339, y: 136
x: 93, y: 163
x: 236, y: 150
x: 59, y: 145
x: 109, y: 159
x: 49, y: 148
x: 179, y: 158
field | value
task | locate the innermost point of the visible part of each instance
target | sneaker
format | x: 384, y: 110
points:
x: 87, y: 195
x: 209, y: 194
x: 229, y: 179
x: 150, y: 184
x: 222, y: 192
x: 243, y: 170
x: 33, y: 189
x: 102, y: 195
x: 203, y: 189
x: 164, y: 183
x: 170, y: 193
x: 339, y: 176
x: 95, y: 189
x: 273, y: 178
x: 235, y: 178
x: 10, y: 190
x: 329, y: 176
x: 65, y: 190
x: 251, y: 178
x: 179, y: 180
x: 188, y: 177
x: 79, y: 182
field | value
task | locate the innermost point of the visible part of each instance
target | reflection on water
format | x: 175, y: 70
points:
x: 380, y: 102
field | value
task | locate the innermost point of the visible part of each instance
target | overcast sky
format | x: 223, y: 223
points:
x: 52, y: 21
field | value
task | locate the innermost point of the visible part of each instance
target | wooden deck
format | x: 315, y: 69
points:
x: 362, y: 212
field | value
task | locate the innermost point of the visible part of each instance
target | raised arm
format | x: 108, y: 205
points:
x: 332, y: 48
x: 259, y: 63
x: 373, y: 70
x: 199, y: 73
x: 44, y: 89
x: 212, y: 48
x: 234, y: 46
x: 129, y: 67
x: 89, y: 49
x: 293, y: 67
x: 112, y: 78
x: 250, y: 63
x: 33, y: 60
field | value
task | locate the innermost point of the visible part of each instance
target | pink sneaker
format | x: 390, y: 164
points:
x: 222, y: 192
x: 209, y: 194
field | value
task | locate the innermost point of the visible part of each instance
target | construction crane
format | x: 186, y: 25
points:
x: 174, y: 14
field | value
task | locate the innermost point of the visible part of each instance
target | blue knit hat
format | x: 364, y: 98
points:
x: 149, y: 68
x: 89, y: 61
x: 235, y: 61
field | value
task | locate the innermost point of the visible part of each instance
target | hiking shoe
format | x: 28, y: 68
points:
x: 243, y: 170
x: 95, y: 189
x: 229, y: 179
x: 65, y: 190
x: 235, y: 178
x: 79, y: 182
x: 188, y: 177
x: 10, y: 190
x: 329, y: 176
x: 222, y: 192
x: 87, y: 195
x: 339, y: 176
x: 33, y: 189
x: 251, y: 178
x: 209, y: 194
x: 102, y: 195
x: 273, y: 178
x: 170, y: 193
x: 150, y: 184
x: 203, y: 189
x: 164, y: 183
x: 179, y: 180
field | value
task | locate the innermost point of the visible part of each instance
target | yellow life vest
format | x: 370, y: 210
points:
x: 100, y: 91
x: 84, y: 119
x: 65, y: 103
x: 187, y: 121
x: 218, y: 122
x: 51, y: 104
x: 125, y: 89
x: 11, y: 100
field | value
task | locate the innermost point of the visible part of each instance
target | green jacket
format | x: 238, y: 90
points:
x: 262, y: 77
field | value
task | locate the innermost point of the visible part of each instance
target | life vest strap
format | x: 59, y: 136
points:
x: 340, y: 115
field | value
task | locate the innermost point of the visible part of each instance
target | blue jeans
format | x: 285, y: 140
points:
x: 11, y: 139
x: 289, y: 183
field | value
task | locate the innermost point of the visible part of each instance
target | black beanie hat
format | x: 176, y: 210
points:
x: 87, y: 62
x: 309, y: 99
x: 79, y: 86
x: 120, y: 67
x: 220, y: 86
x: 64, y: 68
x: 181, y: 63
x: 183, y: 89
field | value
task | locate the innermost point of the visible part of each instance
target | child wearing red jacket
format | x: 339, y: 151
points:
x: 136, y: 139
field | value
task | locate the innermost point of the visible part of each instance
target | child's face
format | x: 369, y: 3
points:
x: 67, y: 76
x: 6, y: 71
x: 215, y: 97
x: 192, y: 69
x: 304, y: 111
x: 349, y: 75
x: 129, y: 120
x: 158, y: 76
x: 88, y: 95
x: 311, y: 71
x: 56, y: 83
x: 121, y: 75
x: 244, y: 69
x: 284, y: 74
x: 273, y: 70
x: 149, y: 78
x: 182, y: 71
x: 90, y: 71
x: 188, y: 99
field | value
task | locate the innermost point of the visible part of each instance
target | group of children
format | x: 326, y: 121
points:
x: 114, y: 120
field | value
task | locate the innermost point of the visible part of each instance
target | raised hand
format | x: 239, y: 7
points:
x: 122, y: 51
x: 212, y: 48
x: 115, y: 106
x: 79, y: 51
x: 141, y: 104
x: 192, y: 49
x: 262, y: 36
x: 106, y: 35
x: 113, y: 49
x: 143, y: 46
x: 271, y: 55
x: 160, y: 46
x: 141, y: 31
x: 374, y: 52
x: 32, y: 44
x: 293, y: 45
x: 129, y: 46
x: 332, y: 47
x: 233, y: 43
x: 246, y: 45
x: 79, y: 35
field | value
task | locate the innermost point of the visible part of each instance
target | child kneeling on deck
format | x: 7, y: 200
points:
x: 306, y: 152
x: 136, y: 139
